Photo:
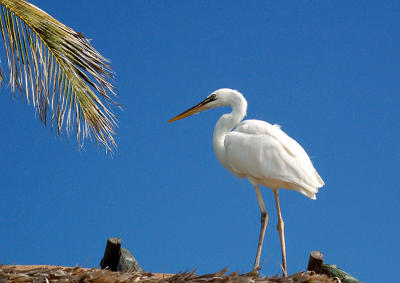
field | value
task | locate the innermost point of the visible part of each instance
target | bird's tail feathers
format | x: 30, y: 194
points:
x: 309, y: 191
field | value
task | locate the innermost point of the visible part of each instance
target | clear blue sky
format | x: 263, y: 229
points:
x: 326, y: 71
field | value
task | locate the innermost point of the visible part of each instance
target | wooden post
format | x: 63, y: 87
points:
x: 111, y: 254
x: 315, y: 262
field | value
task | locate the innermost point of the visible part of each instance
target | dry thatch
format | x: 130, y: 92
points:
x: 45, y: 273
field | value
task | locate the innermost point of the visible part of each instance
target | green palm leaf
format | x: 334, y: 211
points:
x: 58, y: 71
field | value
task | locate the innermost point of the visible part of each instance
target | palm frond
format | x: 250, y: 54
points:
x: 58, y: 71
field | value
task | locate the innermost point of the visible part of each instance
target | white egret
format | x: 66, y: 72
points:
x: 260, y: 152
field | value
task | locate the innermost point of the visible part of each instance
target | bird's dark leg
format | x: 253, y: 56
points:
x: 264, y: 223
x: 281, y: 230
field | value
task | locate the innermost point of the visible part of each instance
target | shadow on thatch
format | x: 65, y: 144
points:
x: 46, y: 273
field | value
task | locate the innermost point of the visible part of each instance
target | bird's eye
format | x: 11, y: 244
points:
x: 212, y: 97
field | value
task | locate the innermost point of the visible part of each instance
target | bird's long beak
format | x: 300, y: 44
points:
x: 195, y: 109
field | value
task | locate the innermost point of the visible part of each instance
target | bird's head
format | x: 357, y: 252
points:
x: 220, y: 97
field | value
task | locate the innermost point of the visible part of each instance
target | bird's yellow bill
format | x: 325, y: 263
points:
x: 195, y: 109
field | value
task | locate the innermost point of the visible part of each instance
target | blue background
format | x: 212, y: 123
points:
x: 326, y: 71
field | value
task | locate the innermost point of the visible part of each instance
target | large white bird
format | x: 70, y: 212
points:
x: 260, y: 152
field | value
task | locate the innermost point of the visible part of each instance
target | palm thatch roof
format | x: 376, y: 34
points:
x: 46, y: 273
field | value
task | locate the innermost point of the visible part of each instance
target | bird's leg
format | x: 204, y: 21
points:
x: 281, y: 230
x: 264, y: 223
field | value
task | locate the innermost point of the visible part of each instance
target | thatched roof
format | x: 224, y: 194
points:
x: 46, y: 273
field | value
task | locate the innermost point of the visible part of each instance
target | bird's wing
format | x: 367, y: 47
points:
x: 261, y: 150
x: 258, y: 127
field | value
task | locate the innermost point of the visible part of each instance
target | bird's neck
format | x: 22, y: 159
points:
x: 225, y: 124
